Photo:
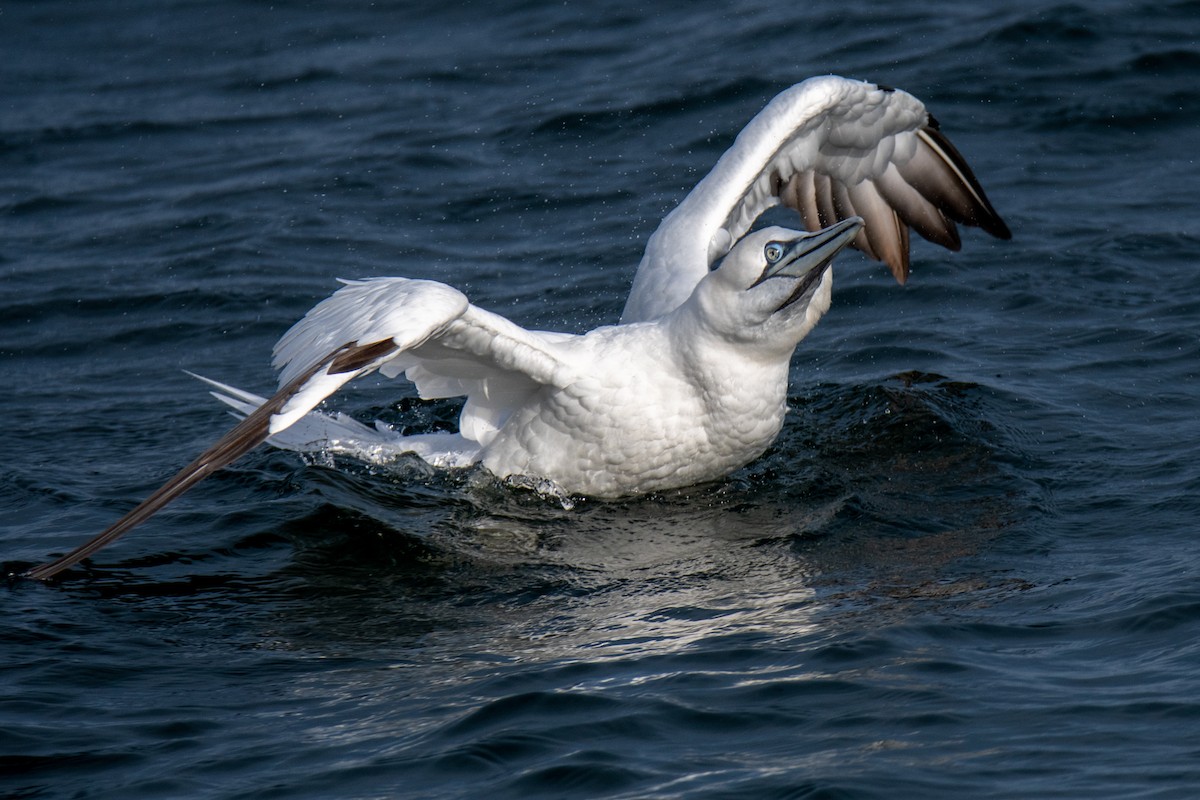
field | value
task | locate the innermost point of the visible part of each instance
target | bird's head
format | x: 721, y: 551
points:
x: 773, y: 285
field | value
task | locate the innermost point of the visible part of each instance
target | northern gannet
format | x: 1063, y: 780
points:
x: 692, y: 383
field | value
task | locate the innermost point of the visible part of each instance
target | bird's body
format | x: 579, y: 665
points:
x: 693, y: 383
x: 621, y: 410
x: 671, y: 417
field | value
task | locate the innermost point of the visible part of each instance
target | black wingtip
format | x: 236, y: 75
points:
x: 241, y: 439
x: 985, y: 216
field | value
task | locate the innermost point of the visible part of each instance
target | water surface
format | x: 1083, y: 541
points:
x: 967, y: 568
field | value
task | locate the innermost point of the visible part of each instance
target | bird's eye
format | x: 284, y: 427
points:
x: 773, y: 252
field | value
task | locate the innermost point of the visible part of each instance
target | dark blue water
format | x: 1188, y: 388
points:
x: 969, y: 567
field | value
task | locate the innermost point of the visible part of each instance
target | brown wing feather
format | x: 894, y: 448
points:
x: 823, y: 195
x: 928, y: 193
x: 884, y: 233
x: 800, y: 194
x: 981, y: 213
x: 917, y: 212
x: 241, y: 439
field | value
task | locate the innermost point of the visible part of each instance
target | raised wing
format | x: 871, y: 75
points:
x: 424, y: 329
x: 830, y: 148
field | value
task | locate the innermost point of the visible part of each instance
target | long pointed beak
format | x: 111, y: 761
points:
x: 814, y: 251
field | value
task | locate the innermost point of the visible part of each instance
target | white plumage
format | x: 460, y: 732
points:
x: 692, y: 384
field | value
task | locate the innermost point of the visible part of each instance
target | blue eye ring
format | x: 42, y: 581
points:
x: 773, y: 252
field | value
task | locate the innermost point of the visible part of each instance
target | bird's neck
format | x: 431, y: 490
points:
x: 725, y: 366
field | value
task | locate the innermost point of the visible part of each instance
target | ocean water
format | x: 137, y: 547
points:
x: 969, y: 567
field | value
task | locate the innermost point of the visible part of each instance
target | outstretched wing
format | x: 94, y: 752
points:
x: 830, y: 148
x: 425, y: 329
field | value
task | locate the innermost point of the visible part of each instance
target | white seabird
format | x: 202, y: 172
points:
x: 692, y: 383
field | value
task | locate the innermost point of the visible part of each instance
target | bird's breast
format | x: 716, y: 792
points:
x: 635, y: 423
